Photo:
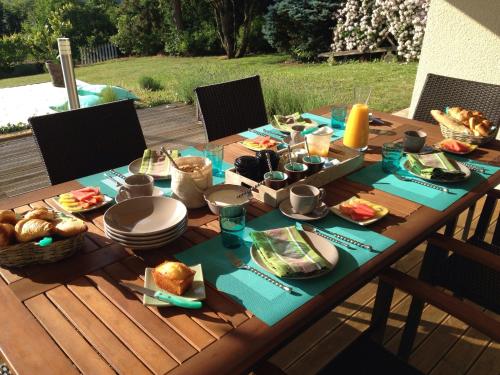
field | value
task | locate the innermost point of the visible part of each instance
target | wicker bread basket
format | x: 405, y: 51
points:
x: 475, y: 140
x: 22, y: 254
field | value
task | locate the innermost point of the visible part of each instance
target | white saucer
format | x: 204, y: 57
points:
x: 318, y: 213
x: 120, y: 197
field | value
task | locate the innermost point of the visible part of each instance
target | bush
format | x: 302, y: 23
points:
x: 149, y: 83
x: 300, y: 28
x: 108, y: 95
x: 365, y: 24
x: 13, y: 51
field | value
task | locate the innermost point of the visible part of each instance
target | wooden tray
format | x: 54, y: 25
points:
x: 350, y: 160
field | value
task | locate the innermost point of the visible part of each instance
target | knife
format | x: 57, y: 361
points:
x: 165, y: 297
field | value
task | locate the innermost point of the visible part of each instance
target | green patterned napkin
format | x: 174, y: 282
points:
x: 156, y: 163
x: 434, y: 166
x: 284, y: 251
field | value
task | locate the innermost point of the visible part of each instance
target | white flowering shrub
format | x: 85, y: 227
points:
x: 365, y: 24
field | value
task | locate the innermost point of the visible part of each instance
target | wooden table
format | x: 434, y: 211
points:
x: 72, y: 316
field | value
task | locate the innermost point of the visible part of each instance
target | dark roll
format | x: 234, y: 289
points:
x: 248, y: 166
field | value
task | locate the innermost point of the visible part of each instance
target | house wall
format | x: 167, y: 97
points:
x: 462, y: 40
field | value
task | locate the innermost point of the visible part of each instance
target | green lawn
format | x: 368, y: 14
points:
x: 288, y: 87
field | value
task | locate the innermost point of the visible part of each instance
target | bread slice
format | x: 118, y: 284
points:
x: 449, y: 122
x: 174, y: 277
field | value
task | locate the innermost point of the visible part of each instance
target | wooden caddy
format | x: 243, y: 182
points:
x: 350, y: 160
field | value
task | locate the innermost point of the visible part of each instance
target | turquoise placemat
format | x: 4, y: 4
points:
x: 268, y: 302
x: 337, y: 133
x: 374, y: 176
x: 109, y: 188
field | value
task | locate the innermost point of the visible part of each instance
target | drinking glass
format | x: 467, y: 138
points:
x: 356, y: 133
x: 391, y: 156
x: 232, y: 225
x: 339, y: 115
x: 215, y: 153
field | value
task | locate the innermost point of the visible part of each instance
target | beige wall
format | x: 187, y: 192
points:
x: 462, y: 40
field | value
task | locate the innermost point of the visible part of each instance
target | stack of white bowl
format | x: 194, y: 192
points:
x: 146, y: 222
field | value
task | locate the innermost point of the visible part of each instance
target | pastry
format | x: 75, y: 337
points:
x: 30, y: 229
x: 7, y: 234
x: 482, y: 130
x: 450, y: 122
x: 8, y: 216
x: 41, y: 213
x: 174, y: 277
x: 70, y: 227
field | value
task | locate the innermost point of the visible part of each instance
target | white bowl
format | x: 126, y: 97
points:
x: 145, y: 237
x: 222, y: 195
x: 145, y: 215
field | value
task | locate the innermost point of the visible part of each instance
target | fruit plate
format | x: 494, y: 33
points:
x: 280, y: 122
x: 105, y: 201
x: 440, y: 145
x: 195, y: 293
x: 251, y: 145
x: 381, y: 211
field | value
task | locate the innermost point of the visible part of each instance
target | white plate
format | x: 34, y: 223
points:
x: 324, y: 248
x: 195, y: 293
x: 135, y: 167
x: 462, y: 167
x: 106, y: 200
x: 151, y: 246
x: 147, y: 240
x: 145, y: 216
x: 336, y: 210
x: 319, y: 213
x: 145, y: 237
x: 120, y: 197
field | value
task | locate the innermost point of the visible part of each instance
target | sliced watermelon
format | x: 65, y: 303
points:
x: 82, y: 196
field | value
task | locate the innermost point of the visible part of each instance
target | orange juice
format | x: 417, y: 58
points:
x: 356, y: 132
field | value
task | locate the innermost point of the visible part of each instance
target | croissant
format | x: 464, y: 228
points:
x: 449, y: 122
x: 30, y: 229
x: 41, y: 213
x: 7, y: 216
x: 7, y: 234
x: 70, y: 227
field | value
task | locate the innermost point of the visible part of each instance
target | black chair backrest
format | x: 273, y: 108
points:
x: 440, y: 92
x: 85, y: 141
x: 232, y: 107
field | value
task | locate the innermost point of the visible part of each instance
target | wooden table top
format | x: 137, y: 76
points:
x: 72, y: 316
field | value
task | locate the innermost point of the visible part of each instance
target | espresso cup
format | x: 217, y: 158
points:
x: 314, y: 163
x: 414, y: 140
x: 275, y: 180
x: 137, y: 185
x: 295, y: 171
x: 305, y: 198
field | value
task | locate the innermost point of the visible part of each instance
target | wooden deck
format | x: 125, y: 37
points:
x: 22, y: 170
x: 444, y: 344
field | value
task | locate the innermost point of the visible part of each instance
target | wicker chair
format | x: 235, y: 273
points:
x: 231, y: 107
x: 440, y: 92
x: 471, y: 271
x: 85, y: 141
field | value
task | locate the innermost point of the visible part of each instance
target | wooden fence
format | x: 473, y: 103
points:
x: 98, y: 53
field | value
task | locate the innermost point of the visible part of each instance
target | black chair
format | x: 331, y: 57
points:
x: 231, y: 107
x: 440, y: 92
x: 85, y: 141
x: 471, y: 270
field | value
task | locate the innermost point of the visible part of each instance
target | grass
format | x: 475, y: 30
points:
x: 288, y: 87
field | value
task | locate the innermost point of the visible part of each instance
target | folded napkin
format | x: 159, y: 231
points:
x: 156, y: 163
x: 284, y: 251
x: 434, y: 166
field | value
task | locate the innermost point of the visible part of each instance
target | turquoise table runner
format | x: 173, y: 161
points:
x: 109, y: 188
x: 268, y: 302
x: 337, y: 133
x: 374, y: 176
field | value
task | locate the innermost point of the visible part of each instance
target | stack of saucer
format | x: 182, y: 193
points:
x: 146, y: 222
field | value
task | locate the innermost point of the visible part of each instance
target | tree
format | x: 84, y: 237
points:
x: 177, y: 14
x: 234, y: 18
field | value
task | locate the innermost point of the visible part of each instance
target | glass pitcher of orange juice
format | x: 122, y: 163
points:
x: 356, y: 130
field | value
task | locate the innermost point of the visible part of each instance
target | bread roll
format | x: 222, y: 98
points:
x: 482, y: 130
x: 30, y: 229
x: 70, y: 227
x: 174, y: 277
x: 8, y: 216
x: 7, y: 234
x: 449, y: 122
x: 41, y: 213
x: 454, y: 113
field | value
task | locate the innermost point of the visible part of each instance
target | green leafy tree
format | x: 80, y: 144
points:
x: 302, y: 28
x: 13, y: 50
x: 12, y: 15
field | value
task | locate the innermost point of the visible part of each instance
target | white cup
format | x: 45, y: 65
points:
x: 137, y: 185
x: 305, y: 198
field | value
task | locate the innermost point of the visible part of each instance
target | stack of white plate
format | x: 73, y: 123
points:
x: 146, y: 222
